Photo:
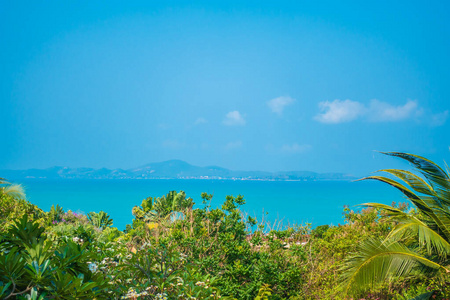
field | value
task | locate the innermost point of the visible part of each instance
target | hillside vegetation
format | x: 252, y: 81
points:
x: 178, y: 249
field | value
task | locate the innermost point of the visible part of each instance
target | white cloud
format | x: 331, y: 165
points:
x: 234, y: 118
x: 233, y: 145
x: 295, y: 148
x: 200, y: 121
x: 339, y: 111
x: 277, y: 105
x: 439, y: 119
x: 383, y: 111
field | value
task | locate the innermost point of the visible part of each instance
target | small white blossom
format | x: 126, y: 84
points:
x: 92, y: 267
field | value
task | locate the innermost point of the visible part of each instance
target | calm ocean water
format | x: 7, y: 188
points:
x: 317, y: 202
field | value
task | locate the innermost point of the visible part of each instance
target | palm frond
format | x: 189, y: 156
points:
x: 389, y: 210
x: 436, y: 176
x: 426, y: 236
x: 434, y: 201
x: 416, y: 200
x: 412, y: 226
x: 419, y: 202
x: 417, y: 183
x: 376, y: 261
x: 444, y: 215
x: 151, y: 216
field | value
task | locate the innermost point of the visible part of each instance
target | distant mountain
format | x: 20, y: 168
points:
x: 171, y: 169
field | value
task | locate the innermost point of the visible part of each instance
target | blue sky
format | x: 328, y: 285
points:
x: 247, y: 85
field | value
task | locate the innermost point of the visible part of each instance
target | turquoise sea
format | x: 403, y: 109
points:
x: 317, y: 202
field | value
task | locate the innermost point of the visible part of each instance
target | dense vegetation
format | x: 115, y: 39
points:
x: 177, y: 250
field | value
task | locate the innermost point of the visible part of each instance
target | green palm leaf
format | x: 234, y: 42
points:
x: 376, y: 261
x: 425, y: 235
x: 390, y: 211
x: 415, y: 182
x: 437, y: 177
x: 417, y: 201
x: 424, y: 296
x: 413, y: 227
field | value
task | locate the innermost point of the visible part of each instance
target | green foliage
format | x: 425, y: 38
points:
x: 320, y: 231
x: 29, y: 262
x: 100, y: 220
x: 327, y: 246
x: 13, y: 205
x: 56, y: 214
x: 216, y: 242
x: 156, y: 209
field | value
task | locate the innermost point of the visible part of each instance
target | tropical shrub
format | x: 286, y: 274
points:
x: 156, y: 209
x: 100, y: 220
x: 31, y: 263
x: 326, y: 248
x: 14, y: 206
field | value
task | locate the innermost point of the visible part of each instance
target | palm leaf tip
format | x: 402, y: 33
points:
x: 438, y: 178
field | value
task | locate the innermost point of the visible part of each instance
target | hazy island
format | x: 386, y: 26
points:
x: 171, y: 169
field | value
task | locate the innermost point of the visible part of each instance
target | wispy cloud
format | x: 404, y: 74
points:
x: 341, y: 111
x: 233, y: 145
x: 234, y: 118
x: 200, y: 121
x: 277, y: 105
x: 439, y: 119
x: 295, y: 148
x: 384, y: 112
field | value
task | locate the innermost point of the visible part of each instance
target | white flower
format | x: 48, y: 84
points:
x: 92, y: 267
x: 162, y: 296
